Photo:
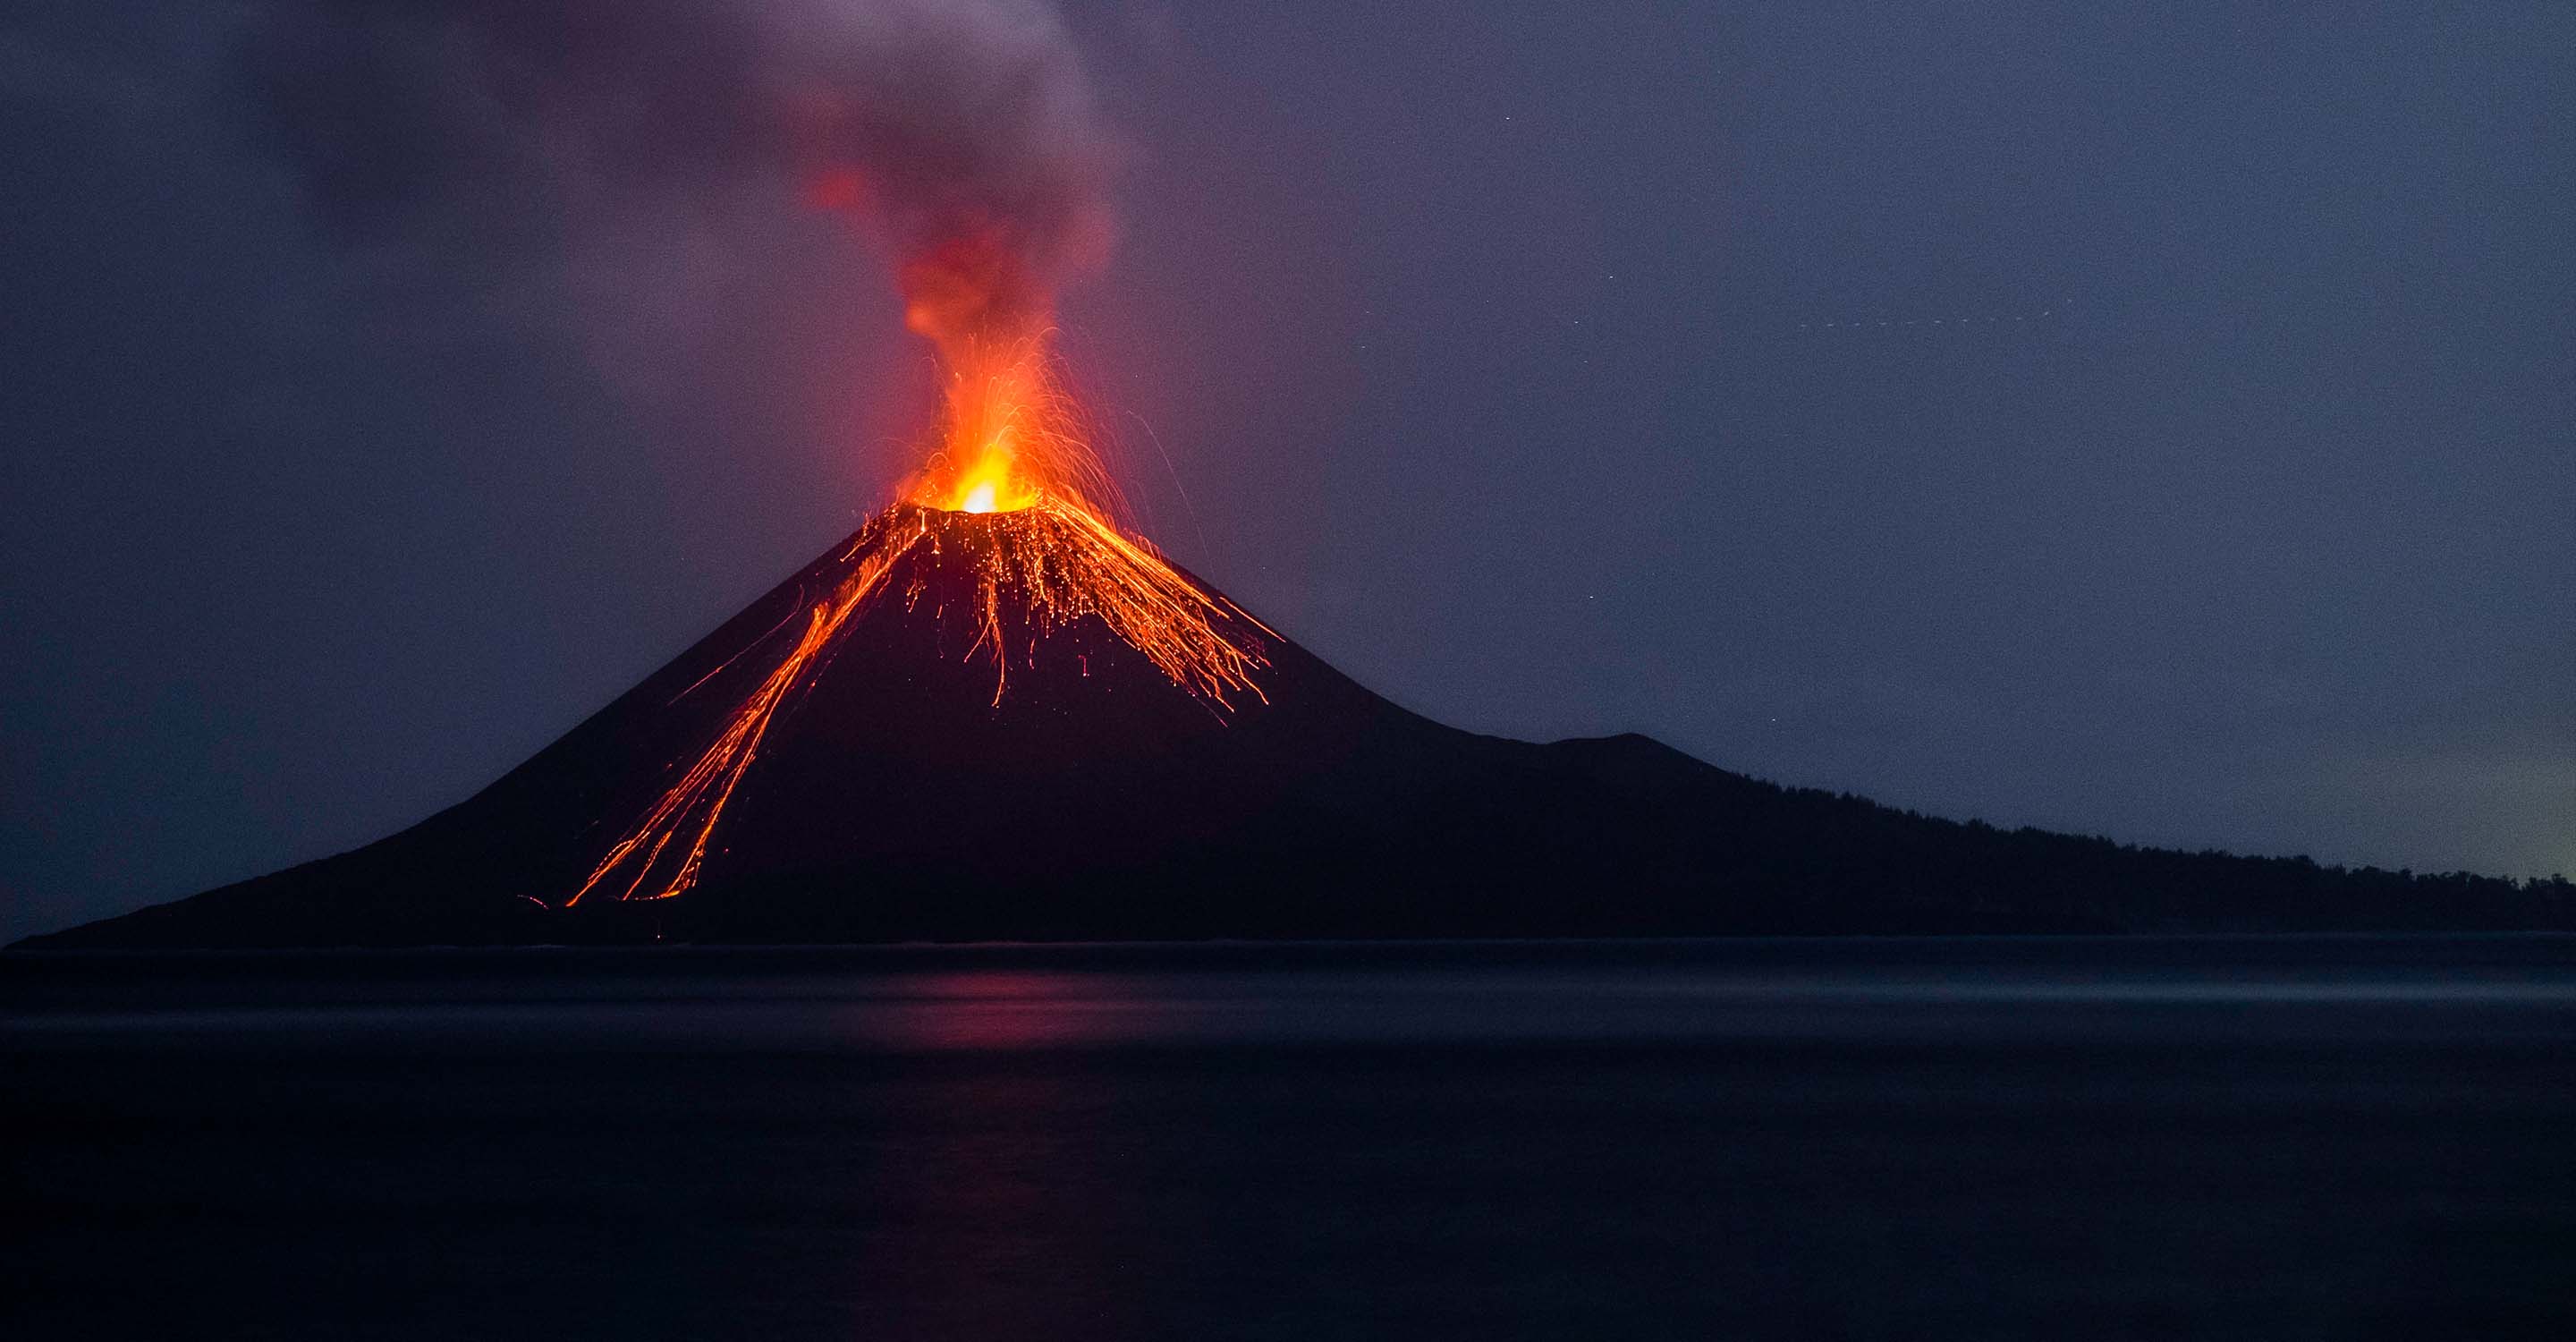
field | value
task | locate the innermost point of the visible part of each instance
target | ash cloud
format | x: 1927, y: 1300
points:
x: 962, y: 130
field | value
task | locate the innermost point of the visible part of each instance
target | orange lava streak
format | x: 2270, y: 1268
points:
x: 1052, y: 563
x: 1062, y: 562
x: 703, y: 791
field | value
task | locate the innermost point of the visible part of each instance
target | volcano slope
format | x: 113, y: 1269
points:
x: 966, y: 758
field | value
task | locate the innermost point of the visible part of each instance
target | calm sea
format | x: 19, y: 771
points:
x: 2272, y: 1138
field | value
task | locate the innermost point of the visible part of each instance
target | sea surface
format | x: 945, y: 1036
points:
x: 2272, y: 1138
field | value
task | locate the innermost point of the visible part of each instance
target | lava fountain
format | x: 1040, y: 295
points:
x: 1011, y: 478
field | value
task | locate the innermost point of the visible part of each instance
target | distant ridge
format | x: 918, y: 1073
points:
x: 895, y: 798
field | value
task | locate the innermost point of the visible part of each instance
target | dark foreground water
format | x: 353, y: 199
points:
x: 2270, y: 1138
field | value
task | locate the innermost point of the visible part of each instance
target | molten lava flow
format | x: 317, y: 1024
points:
x: 1012, y: 484
x: 694, y: 804
x: 1054, y: 564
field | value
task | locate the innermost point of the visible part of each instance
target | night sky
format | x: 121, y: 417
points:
x: 2157, y: 425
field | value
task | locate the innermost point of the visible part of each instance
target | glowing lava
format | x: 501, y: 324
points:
x: 1009, y: 434
x: 1012, y: 484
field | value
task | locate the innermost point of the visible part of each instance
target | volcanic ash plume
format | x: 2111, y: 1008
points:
x: 963, y: 130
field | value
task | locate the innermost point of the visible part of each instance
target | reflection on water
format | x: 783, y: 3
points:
x: 2259, y: 1138
x: 992, y: 1193
x: 999, y: 1009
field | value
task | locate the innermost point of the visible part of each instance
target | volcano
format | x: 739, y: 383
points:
x: 942, y: 729
x: 993, y: 713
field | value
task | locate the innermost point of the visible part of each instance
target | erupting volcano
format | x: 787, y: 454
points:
x: 991, y: 713
x: 994, y: 712
x: 1003, y: 542
x: 1000, y: 548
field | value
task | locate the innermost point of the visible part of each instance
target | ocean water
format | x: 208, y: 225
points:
x: 2268, y: 1138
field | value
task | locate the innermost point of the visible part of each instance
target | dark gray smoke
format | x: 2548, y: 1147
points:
x: 961, y: 128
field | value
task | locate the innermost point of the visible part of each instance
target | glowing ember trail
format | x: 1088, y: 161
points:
x: 694, y: 804
x: 1013, y: 482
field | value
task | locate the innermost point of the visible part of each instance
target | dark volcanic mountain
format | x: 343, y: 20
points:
x: 894, y: 795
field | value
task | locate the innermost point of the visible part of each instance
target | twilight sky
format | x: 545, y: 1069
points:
x: 2158, y: 425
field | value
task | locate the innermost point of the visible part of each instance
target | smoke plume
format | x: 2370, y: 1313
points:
x: 961, y: 130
